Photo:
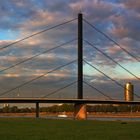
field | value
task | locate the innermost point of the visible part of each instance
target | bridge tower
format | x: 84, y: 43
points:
x: 80, y: 56
x: 80, y: 109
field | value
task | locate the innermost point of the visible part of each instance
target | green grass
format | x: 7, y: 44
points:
x: 44, y: 129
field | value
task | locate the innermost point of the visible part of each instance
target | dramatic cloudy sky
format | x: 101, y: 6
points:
x: 119, y: 19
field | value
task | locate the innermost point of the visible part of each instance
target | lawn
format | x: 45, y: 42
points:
x: 47, y: 129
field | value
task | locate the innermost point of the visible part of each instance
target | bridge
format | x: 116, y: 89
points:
x: 80, y: 102
x: 77, y: 102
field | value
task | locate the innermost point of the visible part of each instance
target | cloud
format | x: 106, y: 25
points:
x: 114, y: 50
x: 133, y: 5
x: 126, y: 25
x: 94, y: 10
x: 120, y: 20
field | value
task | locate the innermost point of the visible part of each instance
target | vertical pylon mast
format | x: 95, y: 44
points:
x: 80, y: 56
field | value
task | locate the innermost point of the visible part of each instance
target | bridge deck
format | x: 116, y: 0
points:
x: 55, y: 100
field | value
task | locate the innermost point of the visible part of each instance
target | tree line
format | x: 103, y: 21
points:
x: 70, y: 108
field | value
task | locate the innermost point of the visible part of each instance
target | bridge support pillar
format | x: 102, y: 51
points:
x: 80, y: 112
x: 37, y: 110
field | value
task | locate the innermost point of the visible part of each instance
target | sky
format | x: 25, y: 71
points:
x: 119, y: 19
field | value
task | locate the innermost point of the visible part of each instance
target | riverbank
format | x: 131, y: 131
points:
x: 115, y: 115
x: 48, y: 129
x: 70, y: 114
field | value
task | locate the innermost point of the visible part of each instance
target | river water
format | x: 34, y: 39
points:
x: 88, y: 118
x: 98, y: 118
x: 113, y: 119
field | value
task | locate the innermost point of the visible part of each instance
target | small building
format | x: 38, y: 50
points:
x: 129, y: 92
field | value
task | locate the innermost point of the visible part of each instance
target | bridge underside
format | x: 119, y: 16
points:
x: 73, y: 101
x: 79, y: 104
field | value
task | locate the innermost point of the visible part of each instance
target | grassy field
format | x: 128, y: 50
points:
x: 44, y: 129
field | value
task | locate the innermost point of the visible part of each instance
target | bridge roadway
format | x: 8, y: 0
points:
x: 80, y: 103
x: 58, y: 100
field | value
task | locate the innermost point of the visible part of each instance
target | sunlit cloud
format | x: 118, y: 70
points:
x: 11, y: 75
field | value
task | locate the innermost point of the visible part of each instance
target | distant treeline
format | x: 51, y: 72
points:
x: 70, y: 108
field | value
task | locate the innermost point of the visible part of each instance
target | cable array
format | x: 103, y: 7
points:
x: 37, y: 33
x: 119, y: 84
x: 59, y: 67
x: 97, y: 90
x: 54, y: 92
x: 93, y: 46
x: 34, y: 79
x: 34, y: 56
x: 105, y: 35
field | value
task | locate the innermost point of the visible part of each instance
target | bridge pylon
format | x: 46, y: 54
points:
x: 80, y: 109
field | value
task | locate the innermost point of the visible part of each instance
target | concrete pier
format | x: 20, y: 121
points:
x: 37, y: 110
x: 80, y: 112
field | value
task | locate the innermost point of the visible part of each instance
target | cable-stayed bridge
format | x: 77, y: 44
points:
x: 80, y: 80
